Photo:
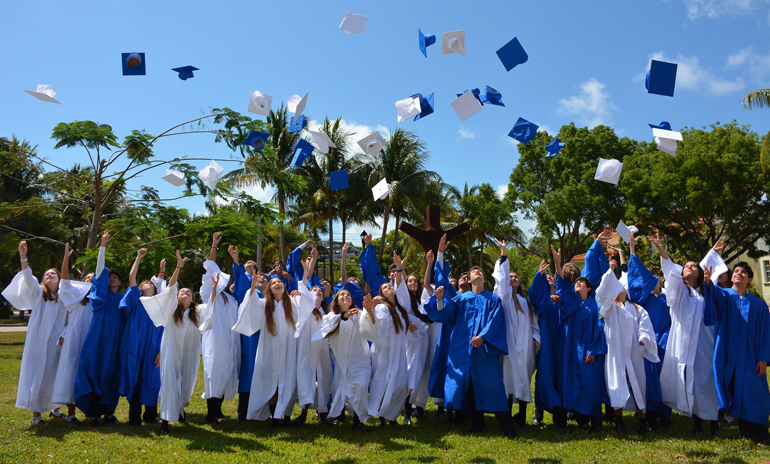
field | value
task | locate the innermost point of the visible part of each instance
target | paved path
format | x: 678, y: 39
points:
x: 13, y: 328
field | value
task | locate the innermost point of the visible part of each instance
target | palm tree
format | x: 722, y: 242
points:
x: 760, y: 99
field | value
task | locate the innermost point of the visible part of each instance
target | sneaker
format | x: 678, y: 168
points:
x: 163, y: 428
x: 96, y: 422
x: 57, y: 413
x: 361, y: 427
x: 38, y: 420
x: 111, y: 420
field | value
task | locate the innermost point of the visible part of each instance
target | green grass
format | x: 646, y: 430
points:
x: 429, y: 440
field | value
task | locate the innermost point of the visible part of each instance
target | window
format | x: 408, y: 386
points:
x: 766, y: 266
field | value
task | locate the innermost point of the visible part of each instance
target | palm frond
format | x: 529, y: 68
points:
x: 757, y: 99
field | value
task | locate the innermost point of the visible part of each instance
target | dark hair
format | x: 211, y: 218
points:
x: 571, y: 272
x: 155, y: 289
x: 699, y: 285
x: 85, y: 299
x: 324, y: 306
x: 466, y: 274
x: 48, y: 295
x: 335, y: 308
x: 394, y: 310
x: 269, y: 307
x: 113, y: 272
x: 585, y: 281
x: 414, y: 298
x: 745, y: 266
x: 179, y: 313
x: 520, y: 292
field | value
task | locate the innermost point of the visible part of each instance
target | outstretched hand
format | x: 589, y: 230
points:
x: 707, y: 272
x: 216, y: 238
x: 543, y: 267
x: 501, y: 245
x: 141, y: 253
x: 369, y: 303
x: 718, y: 246
x: 68, y: 251
x: 429, y: 258
x: 105, y: 238
x: 440, y: 293
x: 443, y: 244
x: 179, y: 260
x: 368, y: 240
x: 556, y: 254
x: 23, y: 249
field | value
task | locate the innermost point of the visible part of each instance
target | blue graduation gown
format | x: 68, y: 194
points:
x: 99, y: 363
x: 551, y: 365
x: 596, y: 265
x: 474, y: 315
x: 139, y: 347
x: 242, y: 283
x: 439, y: 364
x: 370, y: 269
x: 641, y: 283
x: 583, y: 335
x: 742, y: 340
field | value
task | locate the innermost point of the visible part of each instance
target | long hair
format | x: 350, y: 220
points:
x: 699, y: 285
x: 414, y: 298
x: 48, y: 295
x: 394, y: 310
x: 270, y: 307
x: 192, y: 315
x: 85, y: 299
x: 520, y: 292
x: 318, y: 315
x: 335, y: 308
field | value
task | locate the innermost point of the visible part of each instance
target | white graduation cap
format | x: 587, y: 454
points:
x: 608, y: 171
x: 174, y: 177
x: 466, y: 105
x: 625, y: 231
x: 44, y: 93
x: 453, y: 42
x: 381, y: 190
x: 408, y: 108
x: 712, y: 259
x: 296, y: 105
x: 321, y: 141
x: 211, y: 174
x: 666, y: 140
x: 260, y: 103
x: 372, y: 144
x: 353, y: 23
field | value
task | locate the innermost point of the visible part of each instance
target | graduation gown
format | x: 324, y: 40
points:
x: 474, y: 315
x: 419, y: 352
x: 352, y: 364
x: 370, y: 269
x: 139, y: 348
x: 353, y: 289
x: 742, y: 340
x: 552, y: 362
x: 686, y: 379
x: 641, y: 283
x: 40, y: 357
x: 521, y: 330
x: 439, y: 364
x: 275, y: 364
x: 79, y: 317
x: 314, y: 366
x: 242, y: 283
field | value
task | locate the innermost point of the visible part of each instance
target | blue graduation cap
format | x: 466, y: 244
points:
x: 297, y: 125
x: 493, y: 97
x: 523, y: 131
x: 476, y: 93
x: 512, y: 54
x: 663, y: 125
x: 256, y: 139
x: 426, y: 105
x: 661, y: 78
x: 133, y: 64
x: 302, y: 151
x: 185, y: 72
x: 425, y: 42
x: 338, y: 180
x: 555, y: 145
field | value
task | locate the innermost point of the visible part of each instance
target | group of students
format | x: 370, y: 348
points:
x: 377, y: 347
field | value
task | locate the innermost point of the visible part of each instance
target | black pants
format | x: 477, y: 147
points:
x: 243, y: 405
x: 504, y: 420
x: 98, y: 409
x: 756, y: 432
x: 135, y: 406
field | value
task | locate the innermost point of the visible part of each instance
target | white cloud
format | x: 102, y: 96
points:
x: 501, y: 190
x: 715, y: 8
x: 691, y: 75
x: 464, y: 133
x: 593, y: 106
x: 756, y: 66
x: 359, y: 131
x: 258, y: 193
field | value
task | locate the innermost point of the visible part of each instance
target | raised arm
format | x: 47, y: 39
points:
x: 135, y: 268
x: 100, y: 261
x: 65, y: 264
x: 23, y: 255
x: 426, y: 279
x: 214, y: 244
x: 655, y: 240
x: 557, y: 260
x: 596, y: 263
x: 233, y: 251
x: 343, y: 264
x: 399, y: 268
x: 179, y: 263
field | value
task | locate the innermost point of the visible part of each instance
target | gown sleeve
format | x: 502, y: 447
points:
x: 502, y: 279
x: 207, y: 285
x: 402, y: 295
x: 251, y: 314
x: 100, y: 262
x: 646, y: 335
x: 675, y: 287
x: 371, y: 270
x: 207, y: 313
x: 608, y: 290
x: 72, y: 292
x: 160, y: 284
x: 596, y: 264
x: 441, y: 272
x: 566, y: 291
x: 641, y: 282
x: 367, y: 329
x: 302, y: 306
x: 161, y: 307
x: 328, y: 324
x: 714, y: 260
x: 538, y: 291
x: 128, y: 303
x: 24, y: 291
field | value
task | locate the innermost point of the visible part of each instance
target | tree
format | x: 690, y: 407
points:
x: 760, y: 99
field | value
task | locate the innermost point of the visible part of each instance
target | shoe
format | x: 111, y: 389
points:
x: 620, y: 426
x: 286, y: 421
x: 322, y: 417
x: 728, y: 419
x: 211, y: 420
x: 407, y: 420
x: 665, y: 422
x: 383, y: 422
x: 419, y: 413
x: 275, y: 423
x: 38, y: 420
x: 595, y: 429
x: 57, y: 413
x: 150, y: 421
x: 536, y: 423
x: 714, y: 428
x: 440, y: 412
x: 520, y: 419
x: 301, y: 419
x: 361, y: 427
x: 112, y: 420
x: 642, y: 426
x: 72, y: 420
x: 96, y: 422
x: 135, y: 423
x: 510, y: 434
x: 163, y: 428
x: 183, y: 417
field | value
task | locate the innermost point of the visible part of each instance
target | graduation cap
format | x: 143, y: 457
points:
x: 661, y: 78
x: 381, y: 190
x: 425, y: 42
x: 133, y: 64
x: 176, y: 178
x: 302, y: 150
x: 372, y: 144
x: 523, y: 131
x: 512, y: 54
x: 663, y: 125
x: 453, y: 42
x: 260, y: 103
x: 408, y: 108
x: 256, y: 139
x: 296, y: 105
x: 476, y: 93
x: 297, y: 125
x: 44, y: 93
x: 338, y: 180
x: 426, y: 105
x: 608, y: 171
x: 625, y: 231
x: 493, y: 97
x: 353, y: 23
x: 211, y: 174
x: 466, y: 105
x: 185, y: 72
x: 554, y: 146
x: 321, y: 141
x: 666, y: 140
x: 713, y: 260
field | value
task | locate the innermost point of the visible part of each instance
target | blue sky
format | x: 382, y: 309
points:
x: 586, y: 64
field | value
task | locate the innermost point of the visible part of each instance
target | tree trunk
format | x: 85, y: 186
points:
x: 331, y: 242
x: 344, y: 230
x: 395, y: 234
x: 470, y: 250
x: 481, y: 255
x: 384, y: 232
x: 282, y: 210
x: 259, y: 244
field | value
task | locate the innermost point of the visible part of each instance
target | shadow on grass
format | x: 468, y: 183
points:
x: 544, y: 460
x: 480, y: 460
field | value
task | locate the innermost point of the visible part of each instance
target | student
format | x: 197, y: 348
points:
x: 438, y: 366
x: 644, y: 289
x: 475, y: 384
x: 352, y: 363
x: 351, y: 284
x: 281, y: 317
x: 370, y: 268
x: 741, y: 352
x: 686, y: 379
x: 522, y: 336
x: 40, y: 357
x: 221, y: 346
x: 140, y: 349
x: 630, y: 339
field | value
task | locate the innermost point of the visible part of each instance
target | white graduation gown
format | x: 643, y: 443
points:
x: 275, y: 365
x: 625, y: 327
x: 40, y: 358
x: 314, y: 366
x: 521, y: 330
x: 221, y: 345
x: 179, y: 349
x: 686, y: 379
x: 78, y: 321
x: 420, y: 362
x: 416, y: 343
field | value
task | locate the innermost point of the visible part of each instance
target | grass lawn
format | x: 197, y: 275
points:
x: 429, y: 440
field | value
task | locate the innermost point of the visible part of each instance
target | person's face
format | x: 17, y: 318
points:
x: 412, y: 284
x: 724, y: 280
x: 613, y: 265
x: 249, y: 267
x: 185, y: 297
x: 392, y: 276
x: 276, y: 286
x: 319, y: 295
x: 344, y: 300
x: 515, y: 282
x: 261, y: 282
x: 622, y: 297
x: 355, y: 281
x: 477, y: 277
x: 114, y: 283
x: 582, y: 289
x: 453, y: 282
x: 465, y: 279
x: 740, y: 277
x: 147, y: 288
x: 51, y: 280
x: 388, y: 291
x: 690, y: 269
x: 89, y: 278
